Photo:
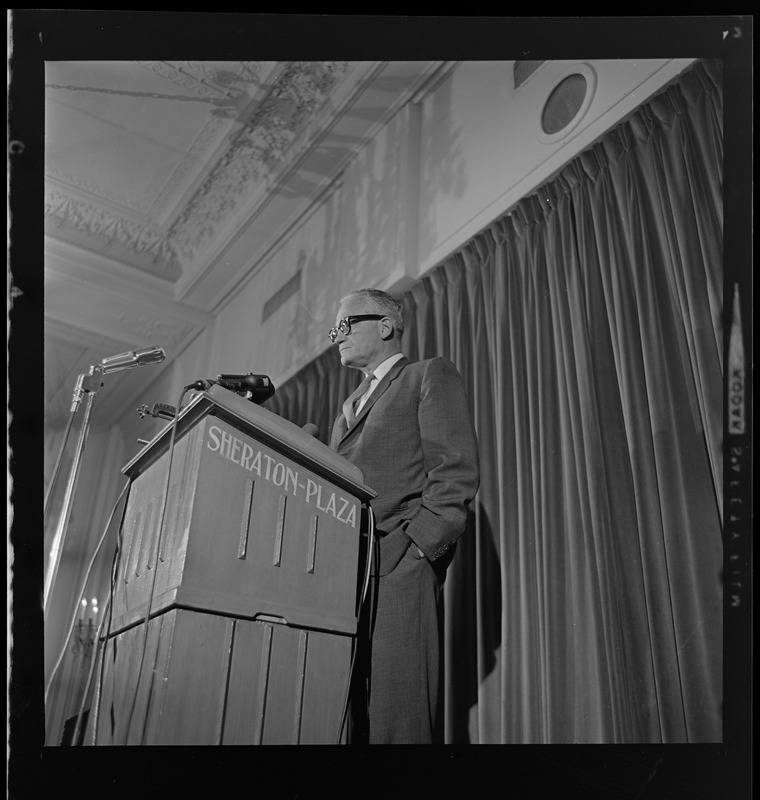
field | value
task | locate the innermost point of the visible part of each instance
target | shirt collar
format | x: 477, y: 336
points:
x: 381, y: 370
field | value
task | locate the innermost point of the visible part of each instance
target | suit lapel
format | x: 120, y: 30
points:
x: 340, y: 428
x: 382, y: 387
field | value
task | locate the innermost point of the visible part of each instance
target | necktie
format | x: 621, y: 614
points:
x: 349, y: 407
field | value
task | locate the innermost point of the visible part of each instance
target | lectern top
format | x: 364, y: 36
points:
x: 262, y: 425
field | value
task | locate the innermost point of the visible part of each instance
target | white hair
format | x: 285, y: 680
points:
x: 384, y: 304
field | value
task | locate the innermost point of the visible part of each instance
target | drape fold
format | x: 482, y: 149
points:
x: 585, y: 604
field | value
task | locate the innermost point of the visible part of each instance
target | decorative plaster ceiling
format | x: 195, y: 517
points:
x: 154, y: 168
x: 147, y: 160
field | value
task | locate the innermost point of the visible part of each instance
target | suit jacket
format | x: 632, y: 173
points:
x: 415, y: 444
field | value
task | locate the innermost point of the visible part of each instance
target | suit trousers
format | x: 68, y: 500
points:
x: 401, y: 662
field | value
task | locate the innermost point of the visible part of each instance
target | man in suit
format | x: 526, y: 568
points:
x: 410, y: 432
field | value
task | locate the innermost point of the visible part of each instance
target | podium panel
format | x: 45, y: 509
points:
x: 291, y: 685
x: 248, y: 574
x: 246, y: 531
x: 213, y: 680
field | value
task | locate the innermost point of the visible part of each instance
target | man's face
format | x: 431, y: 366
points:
x: 363, y: 348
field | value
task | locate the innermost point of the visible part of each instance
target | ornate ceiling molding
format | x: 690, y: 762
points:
x: 229, y: 87
x: 269, y: 108
x: 141, y: 238
x: 100, y: 192
x: 261, y: 148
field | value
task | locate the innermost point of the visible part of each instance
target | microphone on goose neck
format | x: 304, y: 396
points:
x: 257, y: 388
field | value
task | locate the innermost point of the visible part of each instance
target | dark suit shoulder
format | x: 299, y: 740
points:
x: 430, y: 374
x: 439, y: 362
x: 440, y: 365
x: 428, y: 368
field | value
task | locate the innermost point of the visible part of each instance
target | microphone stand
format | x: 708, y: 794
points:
x: 57, y: 467
x: 87, y: 386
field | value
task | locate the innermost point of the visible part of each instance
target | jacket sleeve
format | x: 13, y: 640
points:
x: 450, y: 453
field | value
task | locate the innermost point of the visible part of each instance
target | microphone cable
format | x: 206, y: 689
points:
x: 95, y: 709
x: 153, y: 578
x: 83, y: 586
x: 367, y: 571
x: 90, y: 673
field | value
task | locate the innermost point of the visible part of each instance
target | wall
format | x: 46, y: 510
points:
x: 482, y: 147
x: 349, y: 239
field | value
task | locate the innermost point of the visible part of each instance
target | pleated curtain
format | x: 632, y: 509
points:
x: 585, y: 604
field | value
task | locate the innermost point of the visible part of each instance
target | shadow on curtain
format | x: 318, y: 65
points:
x: 585, y: 603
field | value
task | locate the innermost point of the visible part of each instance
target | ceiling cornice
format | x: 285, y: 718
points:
x: 144, y: 245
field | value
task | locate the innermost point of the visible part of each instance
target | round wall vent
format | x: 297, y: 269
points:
x: 564, y: 103
x: 568, y: 102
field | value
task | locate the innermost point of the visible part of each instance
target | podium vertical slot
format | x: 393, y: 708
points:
x: 146, y: 528
x: 261, y: 694
x: 312, y: 543
x: 245, y: 525
x: 303, y: 641
x: 280, y: 527
x: 171, y: 522
x: 151, y: 541
x: 140, y: 534
x: 227, y: 676
x: 133, y: 542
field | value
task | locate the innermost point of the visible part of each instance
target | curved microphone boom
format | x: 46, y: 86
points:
x: 133, y: 358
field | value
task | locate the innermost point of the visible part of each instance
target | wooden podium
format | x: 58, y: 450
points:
x: 256, y: 585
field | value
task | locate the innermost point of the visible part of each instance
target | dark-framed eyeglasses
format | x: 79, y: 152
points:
x: 344, y: 325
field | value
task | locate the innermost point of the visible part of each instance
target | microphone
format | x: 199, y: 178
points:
x: 260, y: 384
x: 133, y: 358
x: 159, y: 410
x: 256, y: 388
x: 311, y: 429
